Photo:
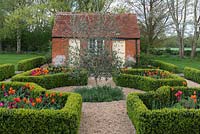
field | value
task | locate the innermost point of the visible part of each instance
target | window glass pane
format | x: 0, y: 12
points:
x: 96, y: 45
x: 91, y: 43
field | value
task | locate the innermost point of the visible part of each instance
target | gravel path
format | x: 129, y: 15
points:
x: 192, y: 84
x: 105, y: 118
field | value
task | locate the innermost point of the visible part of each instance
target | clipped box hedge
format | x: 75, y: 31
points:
x: 28, y: 121
x: 50, y: 81
x: 131, y: 79
x: 165, y: 66
x: 31, y: 63
x: 164, y: 120
x: 6, y: 71
x: 192, y: 74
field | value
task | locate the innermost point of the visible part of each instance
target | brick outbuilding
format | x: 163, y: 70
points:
x: 119, y: 32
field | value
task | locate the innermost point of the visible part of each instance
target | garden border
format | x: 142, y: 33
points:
x: 65, y: 120
x: 129, y: 78
x: 50, y: 81
x: 165, y: 66
x: 27, y: 64
x: 192, y: 74
x: 6, y: 71
x: 166, y: 120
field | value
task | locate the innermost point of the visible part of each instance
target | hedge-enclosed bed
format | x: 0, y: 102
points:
x: 21, y: 120
x: 50, y: 81
x: 140, y: 79
x: 165, y: 120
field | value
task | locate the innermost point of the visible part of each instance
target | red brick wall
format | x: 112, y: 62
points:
x: 60, y: 47
x: 131, y: 48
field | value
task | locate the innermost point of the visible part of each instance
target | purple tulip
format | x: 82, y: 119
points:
x: 31, y: 100
x: 5, y: 94
x: 1, y: 104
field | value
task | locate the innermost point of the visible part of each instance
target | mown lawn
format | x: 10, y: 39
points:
x: 181, y: 63
x: 14, y: 58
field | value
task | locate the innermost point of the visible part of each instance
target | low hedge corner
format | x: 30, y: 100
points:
x: 23, y: 121
x: 132, y: 78
x: 192, y: 74
x: 31, y: 63
x: 165, y: 66
x: 50, y: 81
x: 6, y: 71
x: 164, y: 120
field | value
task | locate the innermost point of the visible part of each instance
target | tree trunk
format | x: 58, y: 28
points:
x: 181, y: 46
x: 194, y: 44
x: 196, y: 33
x: 1, y: 46
x: 18, y: 41
x: 193, y: 52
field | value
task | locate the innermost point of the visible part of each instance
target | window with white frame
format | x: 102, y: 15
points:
x: 96, y: 45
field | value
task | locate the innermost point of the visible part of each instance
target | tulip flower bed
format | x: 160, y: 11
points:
x: 166, y: 110
x: 23, y: 98
x: 49, y: 70
x: 148, y: 79
x: 32, y: 109
x: 52, y: 78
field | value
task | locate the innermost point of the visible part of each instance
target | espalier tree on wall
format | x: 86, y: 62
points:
x: 103, y: 64
x: 100, y: 61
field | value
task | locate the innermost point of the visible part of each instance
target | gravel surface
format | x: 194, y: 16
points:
x: 105, y: 118
x: 192, y: 84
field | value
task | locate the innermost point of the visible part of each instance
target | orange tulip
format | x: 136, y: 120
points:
x: 31, y: 87
x: 46, y: 94
x: 193, y: 97
x: 33, y: 104
x: 52, y: 95
x: 27, y: 85
x: 60, y: 94
x: 2, y: 86
x: 38, y: 100
x: 11, y: 91
x: 53, y: 101
x: 25, y: 100
x: 184, y: 83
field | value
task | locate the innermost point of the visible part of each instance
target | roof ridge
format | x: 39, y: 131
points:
x: 91, y: 13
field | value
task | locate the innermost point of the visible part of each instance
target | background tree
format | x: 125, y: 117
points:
x: 16, y: 19
x: 178, y: 12
x: 1, y: 23
x: 25, y: 20
x: 93, y: 5
x: 153, y: 17
x: 196, y: 25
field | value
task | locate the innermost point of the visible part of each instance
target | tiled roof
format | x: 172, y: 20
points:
x: 95, y: 25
